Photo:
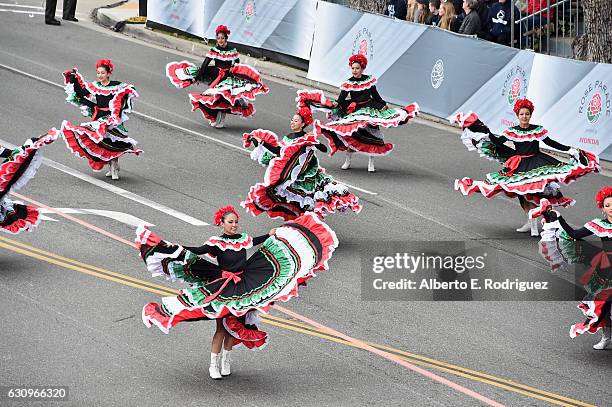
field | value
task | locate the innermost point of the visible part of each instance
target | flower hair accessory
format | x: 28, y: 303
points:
x: 601, y: 196
x: 523, y: 104
x: 221, y: 212
x: 222, y: 29
x: 106, y: 63
x: 360, y: 59
x: 306, y: 115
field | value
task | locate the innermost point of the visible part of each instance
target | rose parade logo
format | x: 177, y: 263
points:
x: 248, y: 9
x: 437, y: 74
x: 515, y: 85
x: 363, y: 43
x: 595, y: 101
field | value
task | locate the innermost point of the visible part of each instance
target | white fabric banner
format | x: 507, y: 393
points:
x: 184, y: 15
x: 285, y: 26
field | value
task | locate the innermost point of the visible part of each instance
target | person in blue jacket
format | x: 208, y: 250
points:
x: 498, y: 25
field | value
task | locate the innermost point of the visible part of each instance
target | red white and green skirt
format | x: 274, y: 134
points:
x: 15, y: 171
x: 286, y: 260
x: 16, y: 218
x: 233, y: 91
x: 294, y: 182
x: 542, y: 169
x: 533, y: 181
x: 360, y: 132
x: 84, y: 141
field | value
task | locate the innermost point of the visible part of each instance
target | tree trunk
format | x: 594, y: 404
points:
x: 374, y: 6
x: 597, y: 39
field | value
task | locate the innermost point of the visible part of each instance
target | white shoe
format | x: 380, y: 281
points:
x: 606, y: 340
x: 525, y: 228
x: 225, y: 363
x: 347, y: 162
x: 213, y: 124
x: 114, y: 169
x: 108, y: 173
x: 213, y: 370
x: 371, y: 167
x: 533, y: 224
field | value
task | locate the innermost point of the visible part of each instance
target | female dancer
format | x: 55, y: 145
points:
x: 232, y: 86
x: 360, y: 113
x: 231, y: 291
x: 104, y: 139
x: 17, y: 167
x: 598, y: 279
x: 294, y: 181
x: 527, y: 173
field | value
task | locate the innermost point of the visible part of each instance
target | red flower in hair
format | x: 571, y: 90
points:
x: 106, y: 63
x: 601, y: 196
x: 222, y: 29
x: 360, y: 59
x: 222, y: 212
x: 523, y: 104
x: 306, y: 115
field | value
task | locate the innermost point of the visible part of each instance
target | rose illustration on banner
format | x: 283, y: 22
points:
x: 363, y: 44
x: 595, y: 103
x: 363, y: 47
x: 594, y: 110
x: 248, y: 10
x: 437, y: 74
x: 514, y: 92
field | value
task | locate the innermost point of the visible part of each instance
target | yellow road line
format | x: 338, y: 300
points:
x: 455, y: 372
x: 413, y: 356
x: 77, y: 268
x: 294, y: 326
x: 78, y: 263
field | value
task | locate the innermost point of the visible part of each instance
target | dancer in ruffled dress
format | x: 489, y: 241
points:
x: 294, y: 181
x: 358, y: 115
x: 597, y: 280
x: 234, y: 290
x: 107, y: 102
x: 232, y: 87
x: 17, y: 167
x: 527, y: 174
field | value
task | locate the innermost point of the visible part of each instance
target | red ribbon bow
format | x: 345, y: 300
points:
x: 220, y: 77
x: 513, y: 162
x: 600, y: 260
x: 227, y: 276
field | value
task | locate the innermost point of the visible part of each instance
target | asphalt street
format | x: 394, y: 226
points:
x: 71, y: 322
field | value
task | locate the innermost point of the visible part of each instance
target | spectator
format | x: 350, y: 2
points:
x: 471, y: 23
x: 412, y: 11
x: 434, y: 18
x: 422, y: 11
x: 396, y: 9
x: 537, y: 21
x: 448, y: 19
x: 498, y: 26
x: 458, y: 4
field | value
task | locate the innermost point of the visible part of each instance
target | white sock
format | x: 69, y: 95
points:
x: 213, y: 358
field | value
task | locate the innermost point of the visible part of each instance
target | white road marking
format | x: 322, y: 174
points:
x: 19, y: 5
x: 38, y: 13
x: 118, y: 191
x: 122, y: 217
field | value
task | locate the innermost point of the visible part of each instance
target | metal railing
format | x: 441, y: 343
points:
x: 550, y: 30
